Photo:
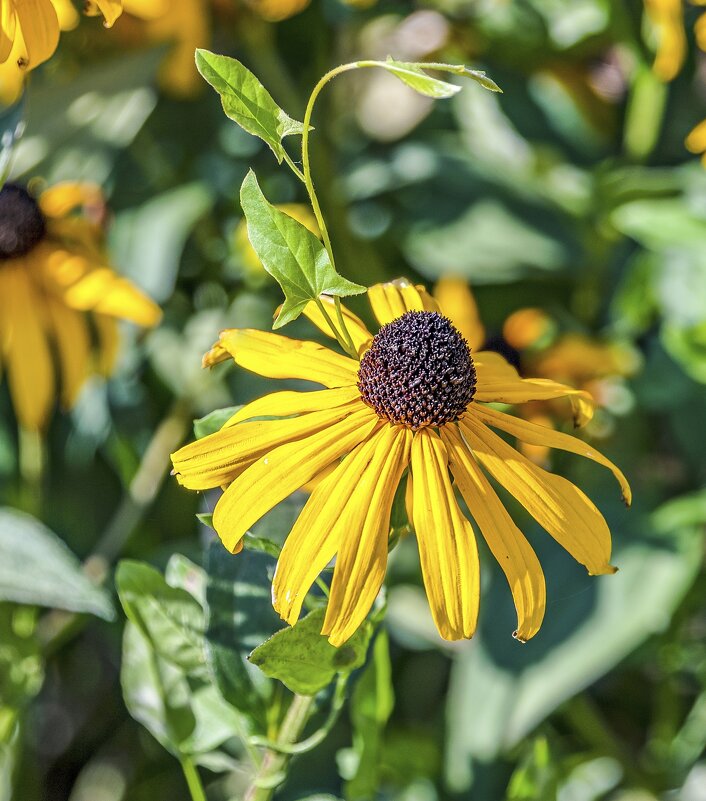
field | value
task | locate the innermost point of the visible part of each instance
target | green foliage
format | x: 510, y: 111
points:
x: 304, y: 660
x: 37, y: 568
x: 291, y: 254
x: 246, y: 101
x: 213, y: 421
x: 415, y: 76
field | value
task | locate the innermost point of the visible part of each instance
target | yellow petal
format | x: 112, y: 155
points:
x: 217, y: 459
x: 110, y: 9
x: 456, y: 302
x: 74, y: 348
x: 108, y: 343
x: 277, y: 10
x: 365, y: 521
x: 8, y: 26
x: 668, y: 18
x: 555, y: 503
x: 525, y: 327
x: 147, y: 9
x: 278, y: 474
x: 498, y: 382
x: 355, y: 326
x: 539, y: 435
x: 26, y: 351
x: 696, y: 141
x: 283, y: 404
x: 507, y: 543
x: 447, y: 545
x: 87, y: 288
x: 66, y: 13
x: 40, y: 29
x: 320, y: 528
x: 67, y: 196
x: 392, y: 299
x: 275, y: 356
x: 13, y: 72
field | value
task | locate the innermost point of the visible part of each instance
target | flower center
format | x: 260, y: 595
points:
x: 418, y: 371
x: 22, y: 224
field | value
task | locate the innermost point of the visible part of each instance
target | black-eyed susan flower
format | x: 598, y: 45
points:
x: 412, y: 406
x: 58, y: 296
x: 29, y: 35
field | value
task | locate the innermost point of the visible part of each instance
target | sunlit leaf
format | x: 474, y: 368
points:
x: 416, y: 77
x: 171, y: 618
x: 37, y: 568
x: 246, y: 101
x: 290, y: 253
x: 213, y: 421
x: 304, y: 660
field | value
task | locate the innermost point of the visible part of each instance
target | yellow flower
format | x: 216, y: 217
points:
x: 52, y: 273
x: 29, y: 35
x: 667, y: 17
x: 413, y: 406
x: 252, y: 265
x: 277, y: 10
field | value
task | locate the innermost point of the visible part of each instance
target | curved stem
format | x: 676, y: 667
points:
x: 293, y: 167
x: 193, y: 779
x: 272, y: 771
x: 340, y: 338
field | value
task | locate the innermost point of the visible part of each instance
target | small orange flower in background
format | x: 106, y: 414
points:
x: 571, y: 358
x: 29, y: 35
x: 58, y: 296
x: 412, y: 407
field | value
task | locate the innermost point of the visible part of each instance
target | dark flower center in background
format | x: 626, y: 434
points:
x: 418, y: 371
x: 22, y: 224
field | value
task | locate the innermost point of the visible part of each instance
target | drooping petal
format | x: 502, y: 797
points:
x: 85, y: 287
x: 66, y: 13
x: 507, y: 543
x: 40, y: 29
x: 26, y: 350
x: 498, y: 382
x: 8, y: 26
x: 319, y: 530
x: 447, y: 545
x: 74, y: 348
x: 63, y: 198
x: 354, y: 325
x: 108, y: 342
x: 365, y: 521
x: 284, y: 404
x: 215, y: 460
x: 13, y: 71
x: 275, y: 356
x: 110, y: 9
x: 535, y: 434
x: 280, y: 472
x: 557, y: 505
x: 456, y: 302
x: 392, y: 299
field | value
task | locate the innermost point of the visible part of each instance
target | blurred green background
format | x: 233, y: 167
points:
x: 572, y: 192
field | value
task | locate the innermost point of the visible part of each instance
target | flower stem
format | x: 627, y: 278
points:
x: 193, y: 779
x: 272, y: 771
x: 346, y: 344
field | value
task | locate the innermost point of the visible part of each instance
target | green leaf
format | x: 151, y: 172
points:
x: 290, y: 253
x: 214, y: 421
x: 183, y: 574
x: 304, y: 660
x: 37, y: 568
x: 21, y: 664
x: 246, y: 101
x: 156, y: 692
x: 415, y: 76
x: 371, y: 707
x: 170, y: 618
x: 240, y: 617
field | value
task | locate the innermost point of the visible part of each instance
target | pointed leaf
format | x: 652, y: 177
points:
x: 304, y: 660
x: 415, y: 76
x: 246, y: 101
x: 37, y: 568
x: 290, y: 253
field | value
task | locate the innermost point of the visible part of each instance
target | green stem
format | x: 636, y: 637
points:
x: 346, y: 345
x: 344, y: 327
x: 31, y: 464
x: 193, y: 779
x: 294, y: 168
x: 272, y: 771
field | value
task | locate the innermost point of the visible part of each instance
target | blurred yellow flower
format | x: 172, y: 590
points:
x: 696, y: 141
x: 667, y: 17
x: 413, y: 406
x: 57, y: 295
x: 186, y: 24
x: 572, y: 358
x: 29, y: 35
x: 252, y: 266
